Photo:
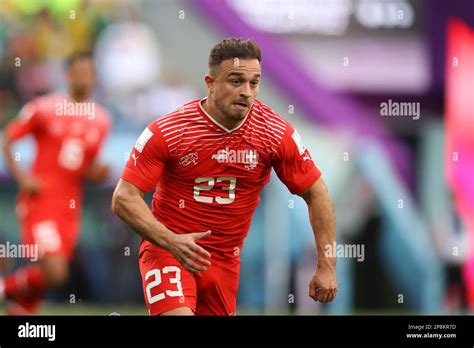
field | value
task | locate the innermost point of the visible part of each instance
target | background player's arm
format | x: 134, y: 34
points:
x: 323, y: 285
x: 96, y: 173
x: 15, y: 169
x: 15, y: 130
x: 129, y: 205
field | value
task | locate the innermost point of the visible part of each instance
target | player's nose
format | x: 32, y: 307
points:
x: 246, y: 91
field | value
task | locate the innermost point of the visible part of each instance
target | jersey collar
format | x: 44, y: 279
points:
x: 220, y: 125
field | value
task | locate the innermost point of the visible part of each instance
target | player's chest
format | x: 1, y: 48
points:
x: 63, y: 129
x: 224, y: 156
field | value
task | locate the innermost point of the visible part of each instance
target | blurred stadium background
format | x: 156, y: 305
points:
x: 402, y: 186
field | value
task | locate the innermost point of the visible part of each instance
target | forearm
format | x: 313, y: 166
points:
x: 323, y: 223
x: 324, y: 228
x: 137, y: 215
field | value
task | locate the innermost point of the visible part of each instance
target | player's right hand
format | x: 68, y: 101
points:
x: 192, y: 256
x: 29, y: 184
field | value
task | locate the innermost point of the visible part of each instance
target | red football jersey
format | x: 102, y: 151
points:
x: 68, y: 137
x: 210, y: 178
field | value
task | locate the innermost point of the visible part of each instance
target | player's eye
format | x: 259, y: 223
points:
x: 255, y: 83
x: 235, y: 82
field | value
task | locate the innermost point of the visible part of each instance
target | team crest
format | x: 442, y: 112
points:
x: 189, y: 158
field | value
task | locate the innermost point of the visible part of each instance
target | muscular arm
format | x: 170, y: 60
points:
x: 323, y: 286
x: 129, y: 205
x: 323, y: 220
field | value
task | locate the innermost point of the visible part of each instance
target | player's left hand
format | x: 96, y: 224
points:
x: 97, y: 173
x: 323, y: 285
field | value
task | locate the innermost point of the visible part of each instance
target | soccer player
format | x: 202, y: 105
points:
x: 209, y: 160
x: 69, y: 130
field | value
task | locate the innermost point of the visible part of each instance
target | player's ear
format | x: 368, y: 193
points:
x: 209, y: 82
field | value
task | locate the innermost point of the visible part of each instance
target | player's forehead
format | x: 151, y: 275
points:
x: 246, y: 68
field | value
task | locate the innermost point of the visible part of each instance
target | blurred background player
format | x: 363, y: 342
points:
x: 209, y: 161
x: 69, y: 130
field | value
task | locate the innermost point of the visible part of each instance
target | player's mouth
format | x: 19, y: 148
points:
x: 240, y: 105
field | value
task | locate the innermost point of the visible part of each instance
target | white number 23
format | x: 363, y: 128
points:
x: 157, y: 275
x: 210, y: 180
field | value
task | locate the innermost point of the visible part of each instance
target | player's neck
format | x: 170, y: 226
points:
x: 213, y: 112
x: 77, y: 98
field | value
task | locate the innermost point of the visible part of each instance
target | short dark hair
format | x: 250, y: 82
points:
x: 73, y: 58
x: 234, y: 47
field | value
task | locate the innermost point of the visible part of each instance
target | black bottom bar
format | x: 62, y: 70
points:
x: 288, y: 330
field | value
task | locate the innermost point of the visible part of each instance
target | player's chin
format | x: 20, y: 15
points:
x: 239, y: 115
x: 83, y: 90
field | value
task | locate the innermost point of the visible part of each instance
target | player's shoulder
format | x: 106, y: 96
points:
x: 40, y: 106
x: 265, y: 114
x: 179, y: 119
x: 102, y: 114
x: 46, y: 101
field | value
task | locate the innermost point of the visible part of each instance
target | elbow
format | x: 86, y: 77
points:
x: 124, y: 198
x: 117, y: 203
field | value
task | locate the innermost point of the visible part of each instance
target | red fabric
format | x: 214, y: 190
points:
x: 169, y: 286
x: 25, y: 282
x: 54, y: 232
x: 209, y: 178
x: 25, y: 306
x: 459, y: 124
x: 67, y: 143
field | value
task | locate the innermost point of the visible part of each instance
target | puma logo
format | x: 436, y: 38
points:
x: 135, y: 159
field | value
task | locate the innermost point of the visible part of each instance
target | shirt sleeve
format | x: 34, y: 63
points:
x: 26, y: 122
x: 293, y: 163
x: 147, y: 159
